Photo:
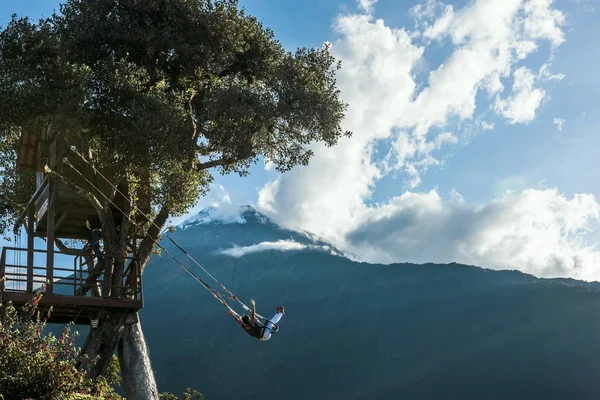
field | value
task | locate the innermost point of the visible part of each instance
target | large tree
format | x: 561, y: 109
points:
x: 165, y: 93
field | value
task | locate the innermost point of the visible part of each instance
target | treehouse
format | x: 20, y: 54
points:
x: 78, y: 285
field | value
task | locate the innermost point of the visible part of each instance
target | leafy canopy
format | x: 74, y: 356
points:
x: 165, y: 90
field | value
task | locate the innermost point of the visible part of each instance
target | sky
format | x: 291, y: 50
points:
x: 475, y: 132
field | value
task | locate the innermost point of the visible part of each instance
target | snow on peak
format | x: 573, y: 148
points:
x: 224, y: 213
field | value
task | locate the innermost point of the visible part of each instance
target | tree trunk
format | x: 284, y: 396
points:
x: 138, y: 377
x: 125, y: 333
x: 119, y: 329
x: 101, y: 343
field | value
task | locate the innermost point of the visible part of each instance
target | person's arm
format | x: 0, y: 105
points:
x: 238, y: 319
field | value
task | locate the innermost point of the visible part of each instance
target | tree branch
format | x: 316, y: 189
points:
x: 148, y: 243
x: 195, y: 104
x: 90, y: 281
x: 193, y: 118
x: 215, y: 163
x: 93, y: 174
x: 69, y: 250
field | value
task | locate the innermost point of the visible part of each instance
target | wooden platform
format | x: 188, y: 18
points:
x: 64, y: 295
x: 79, y: 309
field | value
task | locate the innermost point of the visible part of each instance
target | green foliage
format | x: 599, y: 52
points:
x: 162, y: 91
x: 35, y: 364
x: 188, y: 394
x: 15, y: 186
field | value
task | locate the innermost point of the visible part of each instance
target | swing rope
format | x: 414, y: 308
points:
x: 206, y: 285
x: 215, y: 294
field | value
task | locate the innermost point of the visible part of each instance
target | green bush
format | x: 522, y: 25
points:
x: 188, y: 394
x: 35, y: 364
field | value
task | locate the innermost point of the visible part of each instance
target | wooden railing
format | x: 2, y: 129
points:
x: 18, y: 267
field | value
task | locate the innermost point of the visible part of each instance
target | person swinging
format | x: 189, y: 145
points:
x: 254, y: 328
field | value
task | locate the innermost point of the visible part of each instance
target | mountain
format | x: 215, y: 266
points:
x: 358, y: 331
x: 229, y: 227
x: 361, y: 331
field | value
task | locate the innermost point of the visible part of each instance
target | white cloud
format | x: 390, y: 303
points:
x: 537, y: 231
x: 425, y: 12
x: 280, y: 245
x: 521, y: 106
x: 456, y: 197
x: 382, y: 80
x: 486, y: 126
x: 407, y: 147
x: 376, y: 81
x: 269, y: 166
x: 559, y: 122
x: 587, y: 5
x: 367, y: 5
x: 515, y: 183
x: 544, y: 22
x: 216, y: 197
x: 546, y: 75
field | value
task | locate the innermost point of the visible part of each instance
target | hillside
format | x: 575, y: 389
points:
x: 360, y: 331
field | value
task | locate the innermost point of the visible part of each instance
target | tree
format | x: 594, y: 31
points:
x: 165, y: 93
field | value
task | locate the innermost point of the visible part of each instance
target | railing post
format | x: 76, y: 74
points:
x: 50, y: 239
x: 2, y: 268
x: 75, y: 275
x: 80, y: 272
x: 30, y: 244
x: 139, y: 279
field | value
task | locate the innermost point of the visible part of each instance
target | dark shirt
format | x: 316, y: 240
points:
x: 256, y: 330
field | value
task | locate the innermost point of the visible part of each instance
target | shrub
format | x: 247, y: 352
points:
x: 36, y: 364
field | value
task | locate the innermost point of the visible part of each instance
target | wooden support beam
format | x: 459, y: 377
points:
x: 30, y: 244
x: 61, y: 220
x: 81, y: 235
x: 31, y: 202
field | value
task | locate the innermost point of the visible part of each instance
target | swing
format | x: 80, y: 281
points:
x: 218, y: 296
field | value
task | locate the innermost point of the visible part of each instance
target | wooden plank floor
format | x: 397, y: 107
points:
x: 79, y: 309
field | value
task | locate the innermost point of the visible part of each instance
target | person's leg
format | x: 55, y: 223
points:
x: 253, y: 316
x: 269, y: 327
x: 96, y: 237
x: 274, y: 320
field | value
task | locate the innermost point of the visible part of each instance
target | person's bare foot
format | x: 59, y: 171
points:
x: 281, y: 309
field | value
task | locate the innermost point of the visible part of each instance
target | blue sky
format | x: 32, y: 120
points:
x: 476, y: 131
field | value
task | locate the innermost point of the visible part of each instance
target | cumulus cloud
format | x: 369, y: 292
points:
x: 538, y: 231
x: 559, y: 122
x: 367, y: 5
x: 280, y: 245
x: 376, y: 80
x: 411, y: 112
x: 520, y: 107
x: 546, y: 75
